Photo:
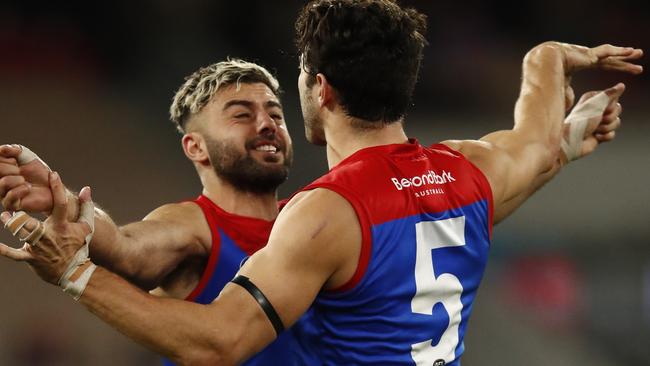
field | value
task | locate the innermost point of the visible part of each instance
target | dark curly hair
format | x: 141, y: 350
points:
x: 370, y: 52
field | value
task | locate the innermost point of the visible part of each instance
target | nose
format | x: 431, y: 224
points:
x: 266, y: 124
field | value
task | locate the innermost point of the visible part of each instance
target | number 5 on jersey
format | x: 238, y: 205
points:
x: 430, y: 290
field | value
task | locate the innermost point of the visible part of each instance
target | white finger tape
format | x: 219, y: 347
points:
x: 26, y: 156
x: 76, y: 288
x: 591, y: 111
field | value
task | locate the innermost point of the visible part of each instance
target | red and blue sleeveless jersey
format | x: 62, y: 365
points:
x: 234, y: 238
x: 426, y: 218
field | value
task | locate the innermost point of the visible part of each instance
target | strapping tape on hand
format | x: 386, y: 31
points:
x: 26, y: 156
x: 76, y: 288
x: 591, y: 111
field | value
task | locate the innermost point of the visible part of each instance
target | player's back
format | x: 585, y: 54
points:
x: 425, y: 215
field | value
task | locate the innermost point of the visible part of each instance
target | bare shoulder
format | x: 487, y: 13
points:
x: 320, y: 204
x: 176, y: 212
x: 491, y: 160
x: 471, y: 149
x: 321, y: 229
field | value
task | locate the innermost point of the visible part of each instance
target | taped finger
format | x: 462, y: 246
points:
x: 26, y: 156
x: 35, y: 235
x: 19, y: 255
x: 21, y: 225
x: 16, y: 222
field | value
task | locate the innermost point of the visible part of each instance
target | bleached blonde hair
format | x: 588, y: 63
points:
x: 199, y: 87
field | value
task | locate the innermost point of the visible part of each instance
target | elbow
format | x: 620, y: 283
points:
x: 548, y: 55
x: 544, y: 51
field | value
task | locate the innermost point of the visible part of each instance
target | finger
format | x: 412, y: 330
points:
x: 13, y: 199
x: 87, y: 209
x: 605, y: 128
x: 13, y: 223
x: 613, y: 110
x: 605, y: 137
x: 10, y: 151
x: 611, y: 114
x: 59, y: 199
x: 85, y: 195
x: 21, y: 225
x: 5, y: 217
x: 8, y: 168
x: 8, y: 161
x: 617, y: 64
x: 635, y: 55
x: 10, y: 182
x: 19, y: 255
x: 616, y: 91
x: 608, y: 50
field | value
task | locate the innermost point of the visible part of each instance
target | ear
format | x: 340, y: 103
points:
x: 194, y: 147
x: 325, y: 90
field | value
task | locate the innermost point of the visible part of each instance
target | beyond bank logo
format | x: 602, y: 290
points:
x: 430, y: 177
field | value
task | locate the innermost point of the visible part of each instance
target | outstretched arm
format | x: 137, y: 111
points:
x: 143, y: 252
x: 234, y: 327
x: 520, y: 160
x: 601, y: 128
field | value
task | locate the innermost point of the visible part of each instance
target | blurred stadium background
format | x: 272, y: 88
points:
x: 88, y: 84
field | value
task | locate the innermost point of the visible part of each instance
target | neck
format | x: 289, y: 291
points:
x: 256, y: 205
x: 344, y: 140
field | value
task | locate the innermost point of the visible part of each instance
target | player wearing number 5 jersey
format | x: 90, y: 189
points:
x: 425, y: 217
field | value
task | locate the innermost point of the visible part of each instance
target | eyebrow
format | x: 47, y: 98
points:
x: 249, y: 104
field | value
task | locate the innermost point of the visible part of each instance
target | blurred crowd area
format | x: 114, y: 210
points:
x: 87, y: 85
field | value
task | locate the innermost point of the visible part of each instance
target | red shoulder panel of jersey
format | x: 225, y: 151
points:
x: 485, y: 184
x: 250, y: 234
x: 206, y: 207
x: 388, y: 182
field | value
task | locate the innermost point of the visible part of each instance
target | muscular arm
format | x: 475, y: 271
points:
x: 513, y: 159
x: 145, y: 252
x: 297, y: 263
x: 519, y: 161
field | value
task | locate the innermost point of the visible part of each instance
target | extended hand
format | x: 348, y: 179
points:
x: 24, y: 182
x: 592, y: 121
x: 605, y: 57
x: 52, y: 247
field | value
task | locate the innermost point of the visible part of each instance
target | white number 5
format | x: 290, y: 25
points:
x: 430, y: 290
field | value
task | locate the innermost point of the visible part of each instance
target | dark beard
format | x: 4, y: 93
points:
x: 244, y: 172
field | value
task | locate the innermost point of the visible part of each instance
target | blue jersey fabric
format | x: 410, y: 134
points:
x: 426, y: 215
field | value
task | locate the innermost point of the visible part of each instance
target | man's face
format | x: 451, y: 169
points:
x: 310, y: 110
x: 247, y: 138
